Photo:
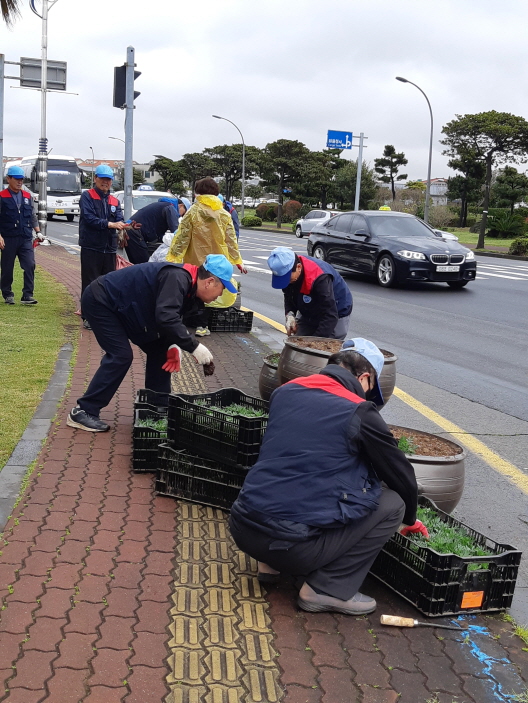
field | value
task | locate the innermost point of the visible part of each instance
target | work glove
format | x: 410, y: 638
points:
x: 173, y: 362
x: 241, y: 268
x: 202, y: 355
x: 417, y: 528
x: 291, y: 324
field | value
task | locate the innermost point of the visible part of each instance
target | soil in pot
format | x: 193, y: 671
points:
x: 423, y: 444
x: 273, y: 359
x: 327, y: 345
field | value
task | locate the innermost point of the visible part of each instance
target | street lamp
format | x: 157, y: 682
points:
x: 118, y: 139
x: 243, y: 158
x: 93, y: 164
x: 428, y: 188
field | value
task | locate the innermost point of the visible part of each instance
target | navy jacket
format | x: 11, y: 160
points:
x: 15, y: 222
x: 152, y: 300
x: 156, y: 219
x: 320, y: 294
x: 97, y: 210
x: 234, y: 216
x: 324, y: 454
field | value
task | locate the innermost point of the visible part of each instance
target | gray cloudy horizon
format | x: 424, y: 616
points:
x: 280, y: 71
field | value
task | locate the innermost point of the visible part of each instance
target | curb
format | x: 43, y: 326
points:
x: 30, y: 444
x: 500, y: 255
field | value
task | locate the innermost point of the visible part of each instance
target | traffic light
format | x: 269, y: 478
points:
x: 120, y: 86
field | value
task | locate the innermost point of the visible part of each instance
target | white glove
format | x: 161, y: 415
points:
x: 202, y: 355
x: 291, y: 324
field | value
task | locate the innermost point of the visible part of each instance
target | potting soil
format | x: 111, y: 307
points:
x: 327, y: 345
x: 425, y: 444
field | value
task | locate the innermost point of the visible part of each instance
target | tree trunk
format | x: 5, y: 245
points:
x: 281, y: 199
x: 393, y: 188
x: 324, y: 199
x: 485, y: 205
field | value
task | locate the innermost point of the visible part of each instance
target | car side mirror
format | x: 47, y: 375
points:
x: 362, y: 233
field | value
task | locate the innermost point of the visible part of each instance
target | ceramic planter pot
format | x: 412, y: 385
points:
x: 297, y: 361
x: 269, y: 377
x: 440, y: 478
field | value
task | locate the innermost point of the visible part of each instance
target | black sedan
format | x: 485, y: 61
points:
x: 393, y: 246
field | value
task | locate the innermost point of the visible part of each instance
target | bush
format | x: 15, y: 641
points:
x: 251, y: 221
x: 504, y: 225
x: 471, y: 220
x: 294, y: 225
x: 440, y: 216
x: 262, y: 211
x: 291, y: 209
x: 519, y: 247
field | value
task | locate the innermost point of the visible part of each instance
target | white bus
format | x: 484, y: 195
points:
x: 64, y: 183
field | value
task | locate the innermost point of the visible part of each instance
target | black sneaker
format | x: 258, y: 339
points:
x: 86, y: 325
x: 84, y: 421
x: 9, y: 300
x: 28, y: 300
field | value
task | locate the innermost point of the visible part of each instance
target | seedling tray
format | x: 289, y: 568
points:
x: 230, y: 320
x: 152, y: 400
x: 231, y: 439
x: 145, y: 441
x: 189, y: 477
x: 442, y: 584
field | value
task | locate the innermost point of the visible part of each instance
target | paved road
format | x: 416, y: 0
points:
x: 461, y: 353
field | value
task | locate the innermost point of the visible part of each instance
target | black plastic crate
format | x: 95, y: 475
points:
x: 442, y: 584
x: 189, y: 477
x: 152, y: 400
x: 145, y: 441
x: 230, y: 320
x: 233, y: 440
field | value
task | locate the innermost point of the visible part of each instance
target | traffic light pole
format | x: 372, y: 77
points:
x: 43, y: 141
x: 129, y: 131
x: 359, y: 171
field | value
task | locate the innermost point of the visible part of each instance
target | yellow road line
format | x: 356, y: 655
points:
x: 511, y: 472
x: 515, y: 475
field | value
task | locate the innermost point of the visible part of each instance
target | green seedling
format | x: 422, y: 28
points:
x: 158, y: 425
x: 233, y: 410
x: 407, y: 445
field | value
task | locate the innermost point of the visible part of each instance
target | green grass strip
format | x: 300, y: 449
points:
x: 30, y: 339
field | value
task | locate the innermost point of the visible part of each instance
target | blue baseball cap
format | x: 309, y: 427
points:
x: 281, y: 262
x: 220, y: 267
x: 372, y: 354
x: 220, y: 197
x: 186, y: 203
x: 104, y: 171
x: 15, y: 172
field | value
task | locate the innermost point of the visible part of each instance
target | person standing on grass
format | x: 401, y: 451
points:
x: 100, y: 221
x: 206, y: 229
x: 17, y: 222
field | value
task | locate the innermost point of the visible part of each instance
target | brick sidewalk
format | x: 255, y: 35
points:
x: 111, y: 593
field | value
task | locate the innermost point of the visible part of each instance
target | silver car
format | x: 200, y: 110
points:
x: 315, y: 217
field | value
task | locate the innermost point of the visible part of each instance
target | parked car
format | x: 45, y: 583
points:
x: 140, y: 198
x: 393, y: 247
x: 445, y: 235
x: 315, y: 217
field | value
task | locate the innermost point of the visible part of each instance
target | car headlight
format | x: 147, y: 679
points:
x: 470, y: 256
x: 412, y: 254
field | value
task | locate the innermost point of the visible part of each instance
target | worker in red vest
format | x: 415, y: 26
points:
x: 100, y: 221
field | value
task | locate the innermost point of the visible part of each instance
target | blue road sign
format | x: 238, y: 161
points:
x: 338, y: 140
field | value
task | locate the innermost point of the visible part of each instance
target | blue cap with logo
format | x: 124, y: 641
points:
x: 373, y: 355
x: 15, y: 172
x: 220, y: 267
x: 104, y: 171
x: 281, y: 262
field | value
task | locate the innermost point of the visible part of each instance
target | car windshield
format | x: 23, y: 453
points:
x: 398, y: 227
x: 139, y: 201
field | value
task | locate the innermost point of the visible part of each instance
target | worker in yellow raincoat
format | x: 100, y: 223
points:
x: 205, y: 229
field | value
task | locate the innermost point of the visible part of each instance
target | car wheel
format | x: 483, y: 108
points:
x: 49, y: 217
x: 386, y: 271
x: 318, y: 253
x: 69, y: 218
x: 457, y: 284
x: 298, y: 232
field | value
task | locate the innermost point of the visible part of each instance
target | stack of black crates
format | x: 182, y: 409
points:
x: 149, y: 405
x: 208, y: 452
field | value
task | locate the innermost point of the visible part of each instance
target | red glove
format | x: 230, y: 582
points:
x: 417, y: 528
x: 241, y: 268
x: 173, y: 359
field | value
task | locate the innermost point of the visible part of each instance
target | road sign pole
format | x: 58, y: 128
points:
x: 2, y: 64
x: 43, y: 141
x: 359, y: 169
x: 129, y: 131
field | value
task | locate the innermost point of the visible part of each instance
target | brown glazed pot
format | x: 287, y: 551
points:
x: 269, y: 378
x: 440, y: 478
x: 296, y: 361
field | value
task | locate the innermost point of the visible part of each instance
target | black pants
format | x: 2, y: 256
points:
x: 113, y: 339
x: 21, y: 247
x: 136, y: 248
x: 95, y: 264
x: 337, y: 561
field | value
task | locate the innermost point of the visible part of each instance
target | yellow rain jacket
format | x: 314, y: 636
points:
x: 205, y: 229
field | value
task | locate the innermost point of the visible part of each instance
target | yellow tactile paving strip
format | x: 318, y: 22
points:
x: 222, y: 643
x: 191, y: 377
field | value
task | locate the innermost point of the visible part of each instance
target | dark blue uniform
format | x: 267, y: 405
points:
x: 16, y: 227
x: 155, y: 220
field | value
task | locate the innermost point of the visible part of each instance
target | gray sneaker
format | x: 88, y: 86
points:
x: 28, y: 300
x: 9, y: 300
x: 318, y: 603
x: 82, y: 420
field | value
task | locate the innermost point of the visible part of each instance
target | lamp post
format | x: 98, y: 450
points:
x: 243, y: 158
x: 428, y: 188
x: 93, y: 164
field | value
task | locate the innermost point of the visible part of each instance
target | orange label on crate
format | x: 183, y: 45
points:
x: 472, y: 599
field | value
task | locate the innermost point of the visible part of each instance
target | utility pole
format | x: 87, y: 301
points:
x: 43, y: 141
x: 131, y: 75
x: 359, y: 170
x: 2, y: 67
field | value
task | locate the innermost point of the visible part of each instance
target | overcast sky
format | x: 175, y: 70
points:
x: 279, y: 69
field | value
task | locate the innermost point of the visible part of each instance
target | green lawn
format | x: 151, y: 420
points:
x: 30, y: 338
x: 467, y: 237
